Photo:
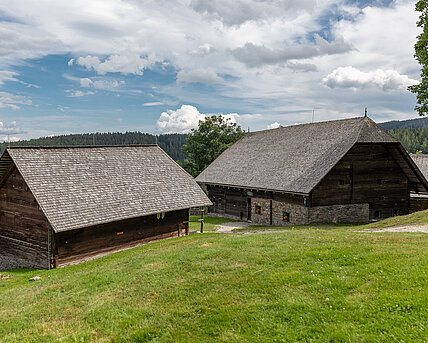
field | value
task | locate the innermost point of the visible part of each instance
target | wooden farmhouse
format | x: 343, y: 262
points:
x: 60, y: 205
x: 337, y: 171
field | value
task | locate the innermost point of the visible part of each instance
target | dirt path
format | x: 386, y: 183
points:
x: 229, y: 227
x: 403, y: 228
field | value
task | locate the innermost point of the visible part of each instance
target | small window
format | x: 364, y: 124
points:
x: 285, y: 216
x: 380, y: 181
x: 382, y: 197
x: 394, y: 212
x: 219, y: 201
x: 258, y: 210
x: 234, y: 204
x: 377, y: 214
x: 341, y: 182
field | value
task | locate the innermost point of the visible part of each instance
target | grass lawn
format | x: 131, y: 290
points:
x: 209, y: 223
x: 308, y: 284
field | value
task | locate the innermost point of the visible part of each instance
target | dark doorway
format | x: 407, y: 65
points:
x: 249, y: 209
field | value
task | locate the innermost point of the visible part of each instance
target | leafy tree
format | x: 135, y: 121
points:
x: 421, y: 55
x: 213, y: 136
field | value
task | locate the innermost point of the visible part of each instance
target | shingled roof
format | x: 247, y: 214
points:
x: 421, y: 161
x: 84, y: 186
x: 295, y: 158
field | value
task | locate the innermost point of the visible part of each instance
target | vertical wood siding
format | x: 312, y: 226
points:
x: 367, y: 174
x: 23, y: 226
x: 81, y: 244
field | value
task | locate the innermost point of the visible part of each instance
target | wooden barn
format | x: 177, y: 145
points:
x: 62, y: 205
x: 337, y: 171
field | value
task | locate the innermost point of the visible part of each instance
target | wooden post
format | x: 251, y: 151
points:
x: 202, y: 220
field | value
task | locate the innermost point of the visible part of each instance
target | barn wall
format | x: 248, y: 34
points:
x: 230, y: 202
x: 81, y: 244
x: 23, y: 226
x: 418, y: 204
x: 273, y: 212
x: 351, y: 213
x: 367, y: 174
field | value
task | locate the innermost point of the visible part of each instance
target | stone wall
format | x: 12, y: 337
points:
x: 351, y: 213
x: 264, y: 217
x: 11, y: 262
x: 299, y: 215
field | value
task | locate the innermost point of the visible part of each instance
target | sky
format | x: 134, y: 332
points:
x: 161, y: 66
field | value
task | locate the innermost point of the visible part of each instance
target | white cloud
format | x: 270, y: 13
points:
x: 6, y: 139
x: 184, y: 119
x: 125, y: 64
x: 100, y: 83
x: 274, y: 125
x: 199, y: 75
x: 7, y: 76
x: 156, y: 103
x: 254, y: 55
x: 10, y: 128
x: 86, y: 82
x: 78, y: 94
x: 107, y: 84
x: 11, y: 101
x: 350, y: 77
x: 70, y: 62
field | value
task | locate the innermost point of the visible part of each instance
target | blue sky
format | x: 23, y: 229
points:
x: 161, y: 67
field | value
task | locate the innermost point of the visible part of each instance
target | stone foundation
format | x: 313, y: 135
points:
x: 352, y: 213
x: 298, y: 214
x: 9, y: 262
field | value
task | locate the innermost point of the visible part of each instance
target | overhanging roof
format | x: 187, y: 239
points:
x: 295, y: 159
x: 85, y: 186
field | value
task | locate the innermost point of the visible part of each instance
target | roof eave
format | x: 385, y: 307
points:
x: 253, y: 188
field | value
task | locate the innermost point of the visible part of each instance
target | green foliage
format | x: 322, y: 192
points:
x: 303, y: 285
x: 214, y: 135
x: 171, y: 143
x: 405, y: 124
x: 421, y: 55
x: 414, y: 140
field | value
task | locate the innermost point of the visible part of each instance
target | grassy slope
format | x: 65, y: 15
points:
x: 337, y: 285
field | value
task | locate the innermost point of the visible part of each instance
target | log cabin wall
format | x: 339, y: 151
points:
x: 77, y: 245
x: 366, y: 174
x: 238, y: 203
x: 23, y: 226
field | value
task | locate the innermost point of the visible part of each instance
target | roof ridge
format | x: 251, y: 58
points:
x: 82, y: 146
x: 303, y: 124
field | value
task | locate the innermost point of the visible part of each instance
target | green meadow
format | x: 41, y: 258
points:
x: 303, y: 284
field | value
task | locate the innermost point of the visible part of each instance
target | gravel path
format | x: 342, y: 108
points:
x: 228, y: 227
x: 403, y: 228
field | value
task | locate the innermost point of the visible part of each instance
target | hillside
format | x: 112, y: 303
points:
x: 171, y: 143
x: 303, y: 284
x: 405, y: 124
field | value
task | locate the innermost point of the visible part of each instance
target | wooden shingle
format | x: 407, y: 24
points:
x: 85, y: 186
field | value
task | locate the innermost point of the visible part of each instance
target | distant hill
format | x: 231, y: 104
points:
x: 171, y: 143
x: 405, y: 124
